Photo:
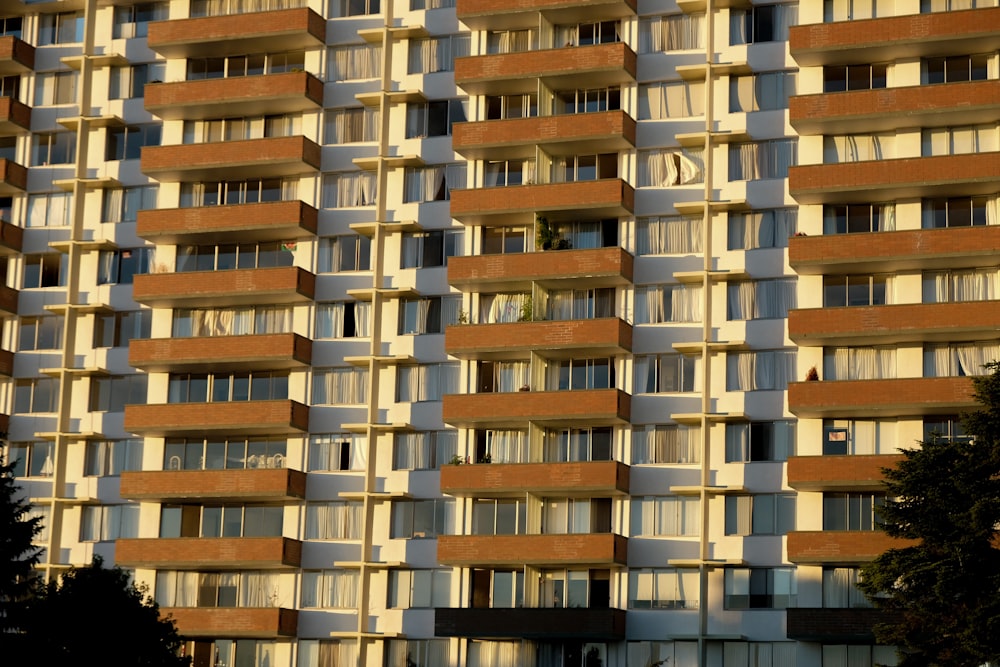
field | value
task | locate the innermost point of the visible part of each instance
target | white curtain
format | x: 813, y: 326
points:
x: 349, y: 189
x: 348, y: 386
x: 764, y: 370
x: 762, y: 299
x: 650, y: 304
x: 663, y: 101
x: 762, y: 229
x: 334, y: 521
x: 664, y: 168
x: 665, y: 444
x: 336, y: 589
x: 507, y: 446
x: 362, y: 61
x: 659, y: 236
x: 672, y: 33
x: 510, y: 376
x: 862, y: 363
x: 505, y: 308
x: 762, y: 159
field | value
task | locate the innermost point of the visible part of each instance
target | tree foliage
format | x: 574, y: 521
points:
x: 943, y: 588
x: 17, y: 555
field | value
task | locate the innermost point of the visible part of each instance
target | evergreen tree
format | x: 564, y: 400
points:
x: 17, y: 555
x: 943, y: 588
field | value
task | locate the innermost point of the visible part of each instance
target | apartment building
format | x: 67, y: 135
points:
x: 482, y: 333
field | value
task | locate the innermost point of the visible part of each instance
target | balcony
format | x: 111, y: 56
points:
x: 904, y: 323
x: 16, y: 56
x: 255, y: 484
x: 896, y: 37
x: 567, y: 68
x: 263, y: 352
x: 902, y: 178
x: 513, y: 14
x: 575, y: 623
x: 259, y: 32
x: 952, y: 248
x: 8, y: 300
x: 217, y: 553
x: 234, y: 621
x: 272, y: 157
x: 568, y: 134
x: 888, y: 109
x: 816, y: 547
x: 880, y: 398
x: 839, y: 473
x: 15, y: 118
x: 595, y: 549
x: 13, y: 177
x: 595, y: 267
x: 554, y: 339
x: 286, y: 93
x: 499, y: 480
x: 265, y: 221
x: 230, y: 418
x: 606, y: 198
x: 594, y: 407
x: 11, y: 237
x: 285, y: 284
x: 835, y: 626
x: 6, y: 363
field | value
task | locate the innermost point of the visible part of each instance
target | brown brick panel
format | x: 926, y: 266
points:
x: 14, y: 116
x: 304, y: 25
x: 266, y: 221
x: 592, y: 406
x: 970, y: 320
x: 8, y: 300
x: 242, y: 417
x: 574, y: 623
x: 613, y: 194
x: 219, y: 553
x: 288, y: 154
x: 833, y: 473
x: 13, y: 177
x: 6, y: 363
x: 860, y: 110
x: 11, y: 238
x: 814, y: 547
x: 487, y: 550
x: 833, y: 626
x: 912, y: 177
x: 264, y: 352
x: 285, y: 284
x: 16, y: 55
x: 897, y: 397
x: 603, y: 336
x: 270, y: 93
x: 552, y: 265
x: 251, y: 484
x: 498, y: 479
x: 546, y: 63
x: 233, y: 622
x: 616, y: 128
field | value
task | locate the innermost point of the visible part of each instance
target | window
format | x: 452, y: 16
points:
x: 763, y: 23
x: 665, y: 444
x: 499, y: 308
x: 762, y: 159
x: 665, y: 588
x: 424, y: 450
x: 31, y: 459
x: 765, y: 91
x: 958, y: 212
x: 565, y: 516
x: 345, y: 319
x: 255, y: 64
x: 111, y: 457
x: 231, y: 652
x: 349, y: 189
x: 112, y: 393
x: 504, y: 516
x: 501, y: 446
x: 761, y: 514
x: 769, y: 228
x: 858, y: 218
x: 46, y: 270
x: 852, y: 10
x: 426, y: 382
x: 52, y: 209
x: 224, y: 387
x: 242, y: 128
x: 655, y: 304
x: 851, y: 511
x: 420, y: 653
x: 580, y: 374
x: 133, y: 21
x: 431, y: 4
x: 840, y: 78
x: 511, y: 41
x: 682, y: 654
x: 579, y: 444
x: 428, y: 316
x: 588, y: 100
x: 223, y: 453
x: 859, y: 363
x: 217, y: 589
x: 419, y: 589
x: 678, y: 32
x: 52, y: 148
x: 331, y: 589
x: 959, y: 360
x: 502, y: 376
x: 434, y: 118
x: 421, y: 518
x: 338, y: 452
x: 952, y: 69
x: 928, y: 6
x: 766, y: 370
x: 958, y: 140
x: 760, y: 441
x: 340, y: 386
x: 355, y: 63
x: 436, y: 54
x: 230, y: 7
x: 233, y: 321
x: 120, y: 266
x: 665, y: 168
x: 858, y: 148
x: 664, y: 373
x: 328, y: 653
x: 859, y: 436
x: 673, y: 235
x: 101, y: 523
x: 251, y: 191
x: 575, y: 168
x: 117, y: 329
x: 504, y: 240
x: 62, y: 28
x: 53, y: 88
x: 40, y: 333
x: 839, y: 291
x: 228, y: 257
x: 349, y: 126
x: 432, y: 183
x: 760, y: 588
x: 506, y: 173
x: 840, y: 588
x: 11, y: 26
x: 423, y: 250
x: 36, y: 395
x: 945, y: 428
x: 850, y: 655
x: 124, y: 204
x: 668, y: 100
x: 760, y: 299
x: 954, y: 286
x: 670, y: 516
x: 129, y: 82
x: 220, y: 521
x: 126, y: 143
x: 359, y: 7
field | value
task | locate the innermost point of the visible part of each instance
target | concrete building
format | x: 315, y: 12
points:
x: 396, y: 333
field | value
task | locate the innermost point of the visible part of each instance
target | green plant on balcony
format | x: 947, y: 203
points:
x: 526, y: 310
x: 546, y: 236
